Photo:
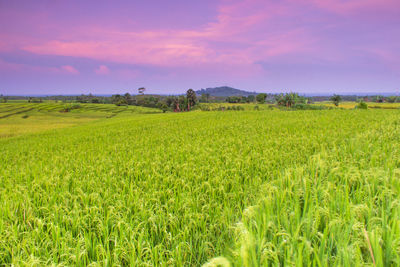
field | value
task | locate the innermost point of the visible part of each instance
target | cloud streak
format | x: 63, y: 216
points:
x: 226, y: 44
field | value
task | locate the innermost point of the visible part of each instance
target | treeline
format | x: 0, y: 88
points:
x: 188, y: 101
x: 165, y: 103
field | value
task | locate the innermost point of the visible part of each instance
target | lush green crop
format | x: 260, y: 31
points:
x: 258, y: 187
x: 22, y: 118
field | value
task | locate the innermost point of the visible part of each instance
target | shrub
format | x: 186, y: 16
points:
x: 204, y: 108
x: 69, y: 107
x: 307, y: 107
x: 362, y: 105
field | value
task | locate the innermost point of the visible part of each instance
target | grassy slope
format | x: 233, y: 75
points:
x: 162, y: 189
x: 18, y: 118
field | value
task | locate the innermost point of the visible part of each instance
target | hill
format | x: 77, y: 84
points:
x: 224, y: 91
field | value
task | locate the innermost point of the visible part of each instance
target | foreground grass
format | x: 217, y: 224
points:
x: 341, y: 208
x: 168, y: 189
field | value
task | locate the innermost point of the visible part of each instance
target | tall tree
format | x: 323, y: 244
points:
x: 261, y: 98
x: 191, y: 98
x: 336, y: 99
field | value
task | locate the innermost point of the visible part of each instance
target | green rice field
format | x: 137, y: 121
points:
x: 103, y: 185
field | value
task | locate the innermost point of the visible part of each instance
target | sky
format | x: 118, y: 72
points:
x: 104, y: 47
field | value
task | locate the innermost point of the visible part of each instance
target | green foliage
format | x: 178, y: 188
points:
x: 362, y: 105
x: 340, y: 208
x: 336, y: 99
x: 261, y: 98
x: 95, y: 100
x: 251, y: 98
x: 69, y: 107
x: 205, y: 98
x: 290, y: 99
x: 308, y: 107
x: 393, y: 99
x: 260, y: 188
x: 191, y: 99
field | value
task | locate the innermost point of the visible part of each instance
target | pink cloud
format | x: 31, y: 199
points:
x: 183, y: 47
x: 354, y: 6
x: 69, y: 69
x: 17, y: 67
x: 243, y: 33
x: 102, y: 70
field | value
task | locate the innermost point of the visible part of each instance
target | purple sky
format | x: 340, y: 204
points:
x: 98, y: 46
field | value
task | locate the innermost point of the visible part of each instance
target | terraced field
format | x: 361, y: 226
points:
x: 21, y: 118
x: 249, y: 188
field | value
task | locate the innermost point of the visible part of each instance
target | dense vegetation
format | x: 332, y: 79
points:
x: 257, y: 187
x: 209, y: 95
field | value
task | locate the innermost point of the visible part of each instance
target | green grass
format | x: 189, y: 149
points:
x: 18, y: 118
x: 253, y: 188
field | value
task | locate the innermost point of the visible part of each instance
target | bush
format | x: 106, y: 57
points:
x: 307, y: 107
x: 256, y: 107
x: 362, y: 105
x: 204, y: 107
x: 69, y: 107
x: 121, y: 103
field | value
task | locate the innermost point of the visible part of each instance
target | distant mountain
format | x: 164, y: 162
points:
x: 224, y: 91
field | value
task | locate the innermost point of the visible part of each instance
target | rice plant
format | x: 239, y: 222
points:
x: 250, y: 188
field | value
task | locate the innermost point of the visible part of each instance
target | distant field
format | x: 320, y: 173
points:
x: 373, y: 105
x: 18, y: 118
x: 343, y: 105
x: 253, y: 187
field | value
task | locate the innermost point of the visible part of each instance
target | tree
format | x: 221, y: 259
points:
x: 204, y: 98
x: 162, y: 106
x: 141, y: 90
x: 391, y: 99
x: 175, y: 104
x: 251, y: 98
x: 261, y: 98
x: 289, y: 99
x: 379, y: 99
x: 208, y: 97
x: 362, y: 105
x: 233, y: 99
x: 118, y: 100
x: 128, y: 98
x: 182, y: 102
x: 191, y: 98
x: 336, y: 99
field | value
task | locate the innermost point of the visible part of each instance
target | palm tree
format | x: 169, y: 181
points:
x: 291, y: 99
x: 141, y: 90
x: 191, y: 98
